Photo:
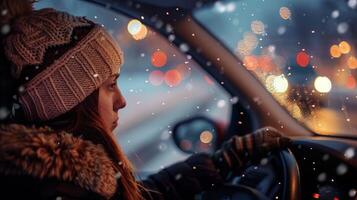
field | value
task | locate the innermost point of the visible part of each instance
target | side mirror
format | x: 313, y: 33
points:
x: 195, y: 135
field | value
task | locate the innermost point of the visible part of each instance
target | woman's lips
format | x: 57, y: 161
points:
x: 115, y: 123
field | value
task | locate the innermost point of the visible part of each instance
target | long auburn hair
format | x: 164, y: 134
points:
x: 84, y: 120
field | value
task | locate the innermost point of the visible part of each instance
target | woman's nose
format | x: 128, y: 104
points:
x: 120, y: 101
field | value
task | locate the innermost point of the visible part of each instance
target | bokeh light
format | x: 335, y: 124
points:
x: 280, y: 84
x: 134, y: 26
x: 243, y: 48
x: 316, y: 196
x: 269, y: 83
x: 250, y: 40
x: 345, y: 48
x: 206, y: 137
x: 173, y: 77
x: 137, y: 30
x: 351, y: 82
x: 323, y: 84
x: 247, y: 44
x: 266, y: 63
x: 258, y: 27
x: 302, y: 59
x: 335, y: 51
x: 156, y: 77
x: 250, y: 62
x: 158, y: 59
x: 285, y: 13
x: 352, y: 62
x: 141, y: 34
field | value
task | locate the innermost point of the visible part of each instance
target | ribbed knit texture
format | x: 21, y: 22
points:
x: 69, y: 79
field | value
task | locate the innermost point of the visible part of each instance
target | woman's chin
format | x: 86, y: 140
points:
x: 114, y: 126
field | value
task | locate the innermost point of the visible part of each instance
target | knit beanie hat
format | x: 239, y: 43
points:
x: 57, y: 58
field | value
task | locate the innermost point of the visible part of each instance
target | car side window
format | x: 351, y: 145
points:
x: 161, y: 83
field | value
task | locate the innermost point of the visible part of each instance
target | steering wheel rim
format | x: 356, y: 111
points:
x: 290, y: 187
x: 291, y: 174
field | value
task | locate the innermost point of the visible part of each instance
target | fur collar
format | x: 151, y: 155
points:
x: 44, y: 153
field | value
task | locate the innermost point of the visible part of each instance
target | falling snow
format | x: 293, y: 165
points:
x: 352, y: 4
x: 341, y: 169
x: 253, y: 40
x: 335, y: 14
x: 5, y: 29
x: 322, y: 177
x: 342, y: 28
x: 4, y: 112
x: 350, y: 153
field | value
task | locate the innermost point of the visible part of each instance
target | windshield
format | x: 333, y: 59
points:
x: 303, y: 52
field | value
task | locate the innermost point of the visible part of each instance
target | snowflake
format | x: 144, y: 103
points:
x: 352, y: 4
x: 233, y: 100
x: 281, y: 30
x: 4, y: 112
x: 322, y: 177
x: 5, y: 29
x: 349, y: 153
x: 342, y: 28
x: 178, y: 177
x: 4, y: 12
x: 184, y: 47
x: 221, y: 103
x: 335, y: 14
x: 341, y: 169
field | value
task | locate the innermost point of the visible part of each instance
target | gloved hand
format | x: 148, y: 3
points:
x: 237, y: 151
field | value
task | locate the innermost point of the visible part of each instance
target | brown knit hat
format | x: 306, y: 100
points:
x: 60, y: 84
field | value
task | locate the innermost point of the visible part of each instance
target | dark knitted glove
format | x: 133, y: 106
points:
x: 236, y: 152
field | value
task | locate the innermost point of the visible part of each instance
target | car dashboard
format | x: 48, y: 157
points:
x: 327, y: 168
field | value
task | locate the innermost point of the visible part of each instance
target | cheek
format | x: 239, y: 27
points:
x: 105, y: 108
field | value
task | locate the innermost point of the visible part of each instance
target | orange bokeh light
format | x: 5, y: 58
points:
x: 173, y: 77
x: 285, y: 13
x: 345, y: 48
x: 351, y: 82
x: 352, y: 62
x: 335, y: 51
x: 141, y: 34
x: 258, y: 27
x: 250, y: 62
x: 159, y: 59
x: 302, y: 59
x: 265, y: 63
x: 156, y: 77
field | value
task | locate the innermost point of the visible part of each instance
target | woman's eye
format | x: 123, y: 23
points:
x: 112, y: 86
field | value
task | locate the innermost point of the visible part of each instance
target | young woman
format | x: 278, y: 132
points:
x: 59, y: 75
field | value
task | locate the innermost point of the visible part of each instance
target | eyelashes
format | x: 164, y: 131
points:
x: 113, y: 86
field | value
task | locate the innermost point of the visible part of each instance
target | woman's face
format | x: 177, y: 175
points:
x: 109, y: 102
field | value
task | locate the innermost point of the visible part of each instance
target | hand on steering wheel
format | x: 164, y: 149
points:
x: 236, y: 152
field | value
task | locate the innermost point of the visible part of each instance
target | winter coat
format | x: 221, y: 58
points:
x: 39, y: 163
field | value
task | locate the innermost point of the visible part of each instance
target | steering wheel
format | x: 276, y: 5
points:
x: 289, y: 173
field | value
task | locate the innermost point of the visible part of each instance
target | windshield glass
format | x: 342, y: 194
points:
x: 303, y: 52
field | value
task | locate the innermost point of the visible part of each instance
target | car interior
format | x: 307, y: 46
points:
x: 190, y: 87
